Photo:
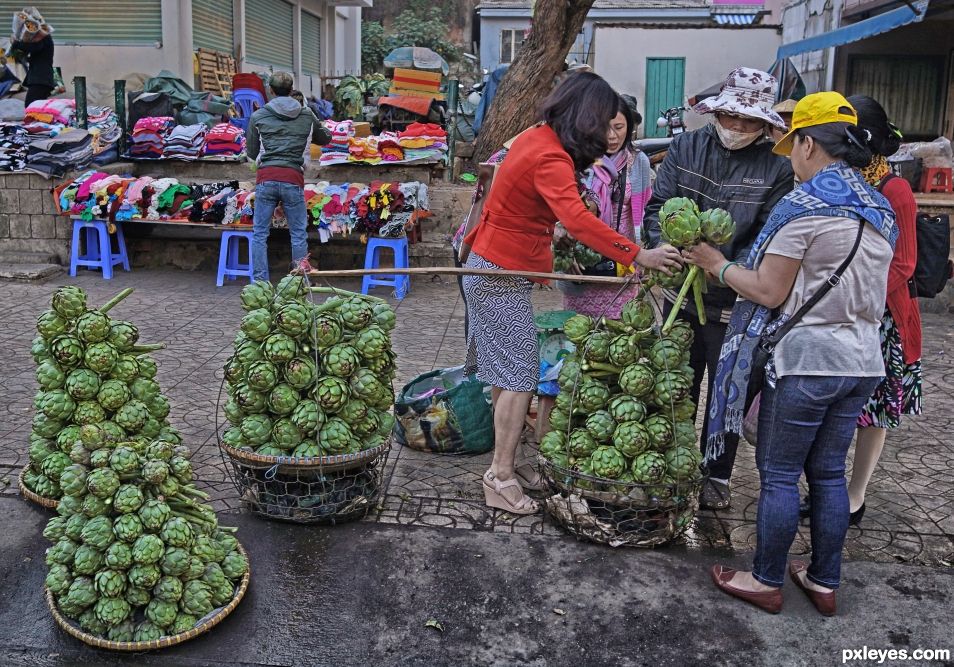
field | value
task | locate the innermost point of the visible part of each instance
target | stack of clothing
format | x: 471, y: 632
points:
x: 225, y: 140
x: 423, y: 141
x: 185, y: 142
x: 51, y: 111
x: 104, y: 126
x: 342, y: 134
x: 54, y: 156
x: 14, y: 143
x: 149, y: 136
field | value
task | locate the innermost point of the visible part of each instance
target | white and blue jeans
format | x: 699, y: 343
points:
x: 267, y: 197
x: 806, y: 424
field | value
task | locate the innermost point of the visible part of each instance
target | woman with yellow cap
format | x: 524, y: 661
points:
x: 812, y: 291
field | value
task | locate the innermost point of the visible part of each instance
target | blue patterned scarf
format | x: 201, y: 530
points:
x: 835, y: 191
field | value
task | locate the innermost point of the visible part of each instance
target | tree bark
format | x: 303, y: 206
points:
x: 556, y: 23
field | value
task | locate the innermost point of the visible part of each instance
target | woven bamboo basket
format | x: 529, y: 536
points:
x: 325, y: 489
x: 202, y: 627
x: 48, y: 503
x: 620, y: 513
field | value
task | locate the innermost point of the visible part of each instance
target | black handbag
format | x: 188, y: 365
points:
x: 767, y: 343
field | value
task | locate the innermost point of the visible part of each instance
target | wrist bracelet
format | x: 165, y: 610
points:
x: 724, y: 269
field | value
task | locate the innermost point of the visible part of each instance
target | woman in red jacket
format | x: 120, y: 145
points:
x: 536, y: 185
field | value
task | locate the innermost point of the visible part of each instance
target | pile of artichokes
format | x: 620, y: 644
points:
x: 309, y: 379
x: 91, y: 372
x: 623, y: 413
x: 136, y: 554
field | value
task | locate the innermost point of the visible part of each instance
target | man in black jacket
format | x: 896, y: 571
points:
x: 728, y: 164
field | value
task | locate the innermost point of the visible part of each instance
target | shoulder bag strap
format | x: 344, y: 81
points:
x: 772, y: 339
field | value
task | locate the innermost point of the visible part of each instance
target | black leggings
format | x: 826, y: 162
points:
x: 35, y: 93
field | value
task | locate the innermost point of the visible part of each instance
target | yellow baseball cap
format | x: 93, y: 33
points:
x: 816, y: 109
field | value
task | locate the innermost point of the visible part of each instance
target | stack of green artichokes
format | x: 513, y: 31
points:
x: 91, y: 372
x: 136, y: 554
x: 623, y: 412
x: 309, y: 379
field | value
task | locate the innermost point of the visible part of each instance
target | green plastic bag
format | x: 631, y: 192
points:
x: 444, y: 411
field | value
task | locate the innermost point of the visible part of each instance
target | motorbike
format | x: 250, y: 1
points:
x: 656, y: 148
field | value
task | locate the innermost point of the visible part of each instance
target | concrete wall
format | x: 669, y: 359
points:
x: 620, y: 55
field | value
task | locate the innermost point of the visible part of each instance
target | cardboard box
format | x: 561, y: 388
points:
x: 416, y: 79
x: 362, y: 129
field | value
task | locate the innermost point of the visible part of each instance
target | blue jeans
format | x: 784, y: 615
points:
x: 267, y: 197
x: 805, y: 423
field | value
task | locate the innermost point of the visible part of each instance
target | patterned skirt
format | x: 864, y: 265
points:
x: 900, y: 391
x: 502, y: 338
x: 600, y: 301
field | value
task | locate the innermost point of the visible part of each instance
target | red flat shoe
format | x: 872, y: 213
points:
x: 770, y: 601
x: 824, y: 602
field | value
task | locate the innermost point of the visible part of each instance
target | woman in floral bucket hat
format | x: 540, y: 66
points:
x: 727, y: 164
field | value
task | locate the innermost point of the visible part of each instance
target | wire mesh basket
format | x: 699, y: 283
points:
x: 620, y: 513
x: 321, y: 490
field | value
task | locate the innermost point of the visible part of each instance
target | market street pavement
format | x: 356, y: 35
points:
x: 505, y: 590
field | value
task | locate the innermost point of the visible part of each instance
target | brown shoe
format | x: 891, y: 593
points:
x: 824, y: 602
x: 770, y: 601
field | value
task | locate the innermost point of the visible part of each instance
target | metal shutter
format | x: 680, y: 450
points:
x: 269, y: 33
x: 212, y: 25
x: 310, y: 43
x: 96, y: 21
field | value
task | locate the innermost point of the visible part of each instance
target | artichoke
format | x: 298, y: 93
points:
x: 577, y: 328
x: 300, y: 373
x: 176, y: 532
x: 596, y: 346
x: 123, y: 632
x: 82, y: 384
x: 103, y: 483
x: 126, y: 368
x: 384, y: 316
x: 553, y: 445
x: 54, y: 465
x: 279, y: 348
x: 256, y: 429
x: 233, y: 413
x: 69, y: 302
x: 46, y: 427
x: 196, y: 598
x: 671, y: 282
x: 717, y: 226
x: 87, y: 560
x: 169, y: 589
x: 58, y: 579
x: 637, y: 315
x: 355, y: 313
x: 132, y: 416
x: 61, y: 552
x: 46, y: 487
x: 340, y: 360
x: 98, y: 532
x: 328, y: 331
x: 183, y: 623
x: 258, y: 294
x: 161, y: 613
x: 648, y: 468
x: 110, y: 583
x: 73, y: 480
x: 153, y: 514
x: 148, y: 550
x: 607, y: 462
x: 94, y: 506
x: 145, y: 390
x: 147, y: 366
x: 372, y: 342
x: 222, y: 594
x: 285, y: 434
x: 581, y: 443
x: 354, y: 411
x: 147, y: 632
x: 113, y: 394
x: 158, y: 407
x: 82, y: 592
x: 234, y: 370
x: 681, y: 228
x: 250, y: 400
x: 684, y: 434
x: 162, y: 450
x: 233, y: 438
x: 293, y: 319
x: 290, y: 288
x: 88, y: 412
x: 262, y: 376
x: 100, y: 458
x: 282, y: 400
x: 70, y: 506
x: 49, y: 375
x: 214, y: 576
x: 57, y: 404
x: 636, y: 380
x: 124, y: 461
x: 249, y: 352
x: 136, y: 595
x: 559, y: 419
x: 666, y: 354
x: 631, y: 438
x: 334, y: 436
x: 257, y: 324
x: 207, y: 550
x: 660, y: 432
x: 118, y: 555
x: 55, y: 528
x: 682, y: 463
x: 122, y: 335
x: 112, y: 611
x: 332, y: 392
x: 92, y: 326
x: 181, y: 467
x: 681, y: 332
x: 40, y: 448
x: 624, y: 408
x: 306, y: 450
x: 593, y: 395
x: 128, y: 499
x: 90, y: 623
x: 101, y: 357
x: 601, y: 425
x: 234, y: 565
x: 51, y: 324
x: 175, y: 562
x: 40, y: 351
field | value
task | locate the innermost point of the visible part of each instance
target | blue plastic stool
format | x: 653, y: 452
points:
x: 246, y: 99
x: 230, y: 264
x: 401, y: 284
x: 98, y: 253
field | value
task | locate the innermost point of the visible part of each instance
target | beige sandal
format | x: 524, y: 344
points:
x: 494, y: 496
x: 530, y: 478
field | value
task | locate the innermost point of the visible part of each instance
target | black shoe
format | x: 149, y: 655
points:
x: 715, y: 496
x: 855, y: 517
x: 805, y: 509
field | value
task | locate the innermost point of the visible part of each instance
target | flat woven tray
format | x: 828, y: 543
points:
x: 48, y: 503
x: 205, y: 625
x: 327, y: 463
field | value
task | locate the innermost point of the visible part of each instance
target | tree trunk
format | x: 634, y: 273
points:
x: 556, y: 24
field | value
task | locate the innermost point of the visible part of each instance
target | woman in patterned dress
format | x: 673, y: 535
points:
x: 621, y: 187
x: 900, y: 391
x: 536, y: 185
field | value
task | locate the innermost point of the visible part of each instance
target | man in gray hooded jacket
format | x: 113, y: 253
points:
x: 277, y: 138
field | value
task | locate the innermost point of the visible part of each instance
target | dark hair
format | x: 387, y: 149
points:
x: 841, y: 141
x: 627, y: 111
x: 634, y: 108
x: 885, y: 137
x: 579, y: 110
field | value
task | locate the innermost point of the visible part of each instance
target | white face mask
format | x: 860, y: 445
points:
x: 735, y: 140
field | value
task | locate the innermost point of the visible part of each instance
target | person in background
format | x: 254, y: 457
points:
x: 536, y: 185
x: 784, y: 109
x: 34, y: 38
x: 822, y: 370
x: 278, y: 135
x: 727, y: 164
x: 619, y: 183
x: 900, y: 391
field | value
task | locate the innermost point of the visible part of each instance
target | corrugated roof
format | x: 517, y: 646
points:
x: 735, y: 19
x: 602, y: 4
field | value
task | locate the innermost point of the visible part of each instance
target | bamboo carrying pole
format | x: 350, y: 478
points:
x: 467, y: 271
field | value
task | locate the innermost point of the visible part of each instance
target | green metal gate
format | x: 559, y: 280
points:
x: 270, y: 33
x: 212, y: 25
x: 665, y: 88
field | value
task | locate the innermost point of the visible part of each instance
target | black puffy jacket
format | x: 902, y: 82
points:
x: 747, y: 183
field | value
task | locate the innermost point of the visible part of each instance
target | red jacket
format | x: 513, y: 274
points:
x: 904, y: 309
x: 534, y: 187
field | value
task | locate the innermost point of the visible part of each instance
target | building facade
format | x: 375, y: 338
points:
x: 105, y: 40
